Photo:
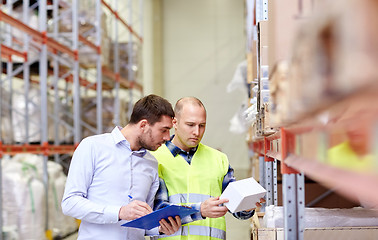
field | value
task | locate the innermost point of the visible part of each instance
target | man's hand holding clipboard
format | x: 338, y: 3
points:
x: 162, y: 217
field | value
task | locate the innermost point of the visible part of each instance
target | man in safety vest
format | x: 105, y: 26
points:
x: 194, y: 174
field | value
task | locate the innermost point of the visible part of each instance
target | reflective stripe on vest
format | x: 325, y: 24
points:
x: 200, y: 231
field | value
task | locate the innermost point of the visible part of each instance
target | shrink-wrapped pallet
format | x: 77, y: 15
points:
x: 129, y: 58
x: 6, y: 123
x: 18, y: 117
x: 89, y: 114
x: 86, y: 21
x: 61, y: 224
x: 25, y: 197
x: 24, y: 200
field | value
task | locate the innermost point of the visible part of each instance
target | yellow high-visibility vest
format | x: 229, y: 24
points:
x: 193, y: 183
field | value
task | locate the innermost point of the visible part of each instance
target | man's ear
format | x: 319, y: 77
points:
x: 143, y: 123
x: 174, y: 121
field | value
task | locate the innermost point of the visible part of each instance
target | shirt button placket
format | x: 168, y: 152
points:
x: 131, y: 173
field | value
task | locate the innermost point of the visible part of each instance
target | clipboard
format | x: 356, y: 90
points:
x: 151, y: 220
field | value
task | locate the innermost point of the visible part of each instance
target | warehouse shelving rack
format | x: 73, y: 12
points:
x: 289, y: 147
x: 286, y: 147
x: 69, y: 77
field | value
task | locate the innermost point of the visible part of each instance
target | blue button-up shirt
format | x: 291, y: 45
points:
x: 162, y: 199
x: 104, y: 171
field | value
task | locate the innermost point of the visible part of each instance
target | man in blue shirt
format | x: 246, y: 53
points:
x: 113, y: 179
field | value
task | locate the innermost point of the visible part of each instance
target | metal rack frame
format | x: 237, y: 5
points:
x: 48, y: 46
x: 285, y: 148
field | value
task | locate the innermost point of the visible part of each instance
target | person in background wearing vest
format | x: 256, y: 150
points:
x: 112, y: 179
x: 194, y: 174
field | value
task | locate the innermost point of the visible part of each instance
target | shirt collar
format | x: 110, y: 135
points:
x: 119, y: 138
x: 176, y: 150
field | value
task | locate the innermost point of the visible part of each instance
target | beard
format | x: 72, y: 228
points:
x: 147, y: 141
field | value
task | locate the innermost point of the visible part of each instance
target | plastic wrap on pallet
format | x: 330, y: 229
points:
x: 34, y: 123
x: 89, y: 114
x: 87, y: 20
x: 61, y: 224
x: 241, y: 121
x: 87, y: 16
x: 239, y: 80
x: 57, y: 221
x: 125, y: 56
x: 6, y: 124
x: 323, y: 217
x: 10, y: 206
x: 18, y: 35
x: 88, y: 57
x: 10, y: 233
x: 23, y: 200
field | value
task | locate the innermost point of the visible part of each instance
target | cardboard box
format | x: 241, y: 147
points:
x: 268, y: 128
x: 254, y: 166
x: 263, y: 43
x: 243, y: 194
x: 252, y: 65
x: 283, y: 23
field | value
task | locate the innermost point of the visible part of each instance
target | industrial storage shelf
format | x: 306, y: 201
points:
x: 357, y: 186
x: 124, y: 23
x: 360, y: 107
x: 62, y: 76
x: 319, y: 70
x: 325, y: 114
x: 7, y: 53
x: 40, y: 37
x: 56, y: 47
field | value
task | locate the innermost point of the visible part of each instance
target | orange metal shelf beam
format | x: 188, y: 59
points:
x: 125, y: 83
x: 115, y: 13
x: 56, y: 46
x: 45, y: 149
x: 85, y: 83
x: 38, y: 36
x: 354, y: 185
x: 8, y: 52
x: 89, y: 44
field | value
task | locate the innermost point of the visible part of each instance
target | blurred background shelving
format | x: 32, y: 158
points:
x: 66, y: 73
x: 313, y: 114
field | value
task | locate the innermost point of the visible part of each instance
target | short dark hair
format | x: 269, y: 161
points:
x: 151, y: 108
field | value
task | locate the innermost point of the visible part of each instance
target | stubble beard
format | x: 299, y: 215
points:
x: 144, y: 139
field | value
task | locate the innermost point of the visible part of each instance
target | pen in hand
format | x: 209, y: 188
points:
x: 134, y: 209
